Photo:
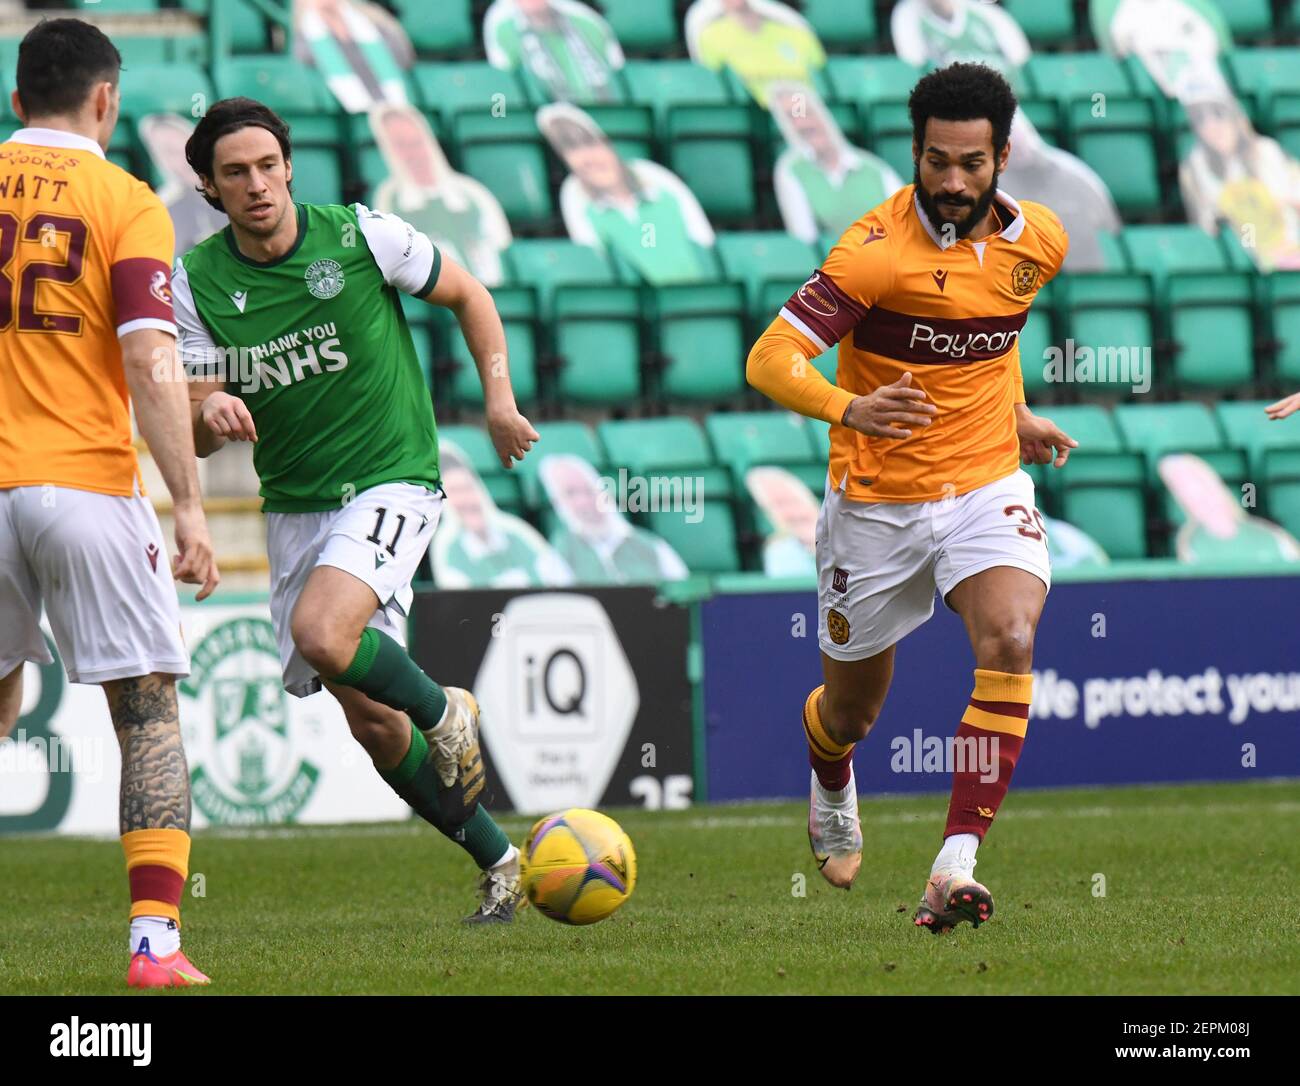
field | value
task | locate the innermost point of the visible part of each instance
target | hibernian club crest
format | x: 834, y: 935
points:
x: 324, y: 278
x: 251, y: 772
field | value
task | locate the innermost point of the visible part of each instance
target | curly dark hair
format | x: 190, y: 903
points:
x: 227, y: 116
x: 963, y: 92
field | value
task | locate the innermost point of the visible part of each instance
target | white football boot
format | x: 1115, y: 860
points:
x: 835, y: 833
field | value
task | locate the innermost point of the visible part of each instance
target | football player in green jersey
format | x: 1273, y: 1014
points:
x: 292, y: 319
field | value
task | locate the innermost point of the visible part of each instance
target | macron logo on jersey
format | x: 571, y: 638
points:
x: 240, y: 298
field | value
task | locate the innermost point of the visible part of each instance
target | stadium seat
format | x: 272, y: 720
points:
x: 630, y: 128
x: 1111, y: 315
x: 1248, y: 428
x: 1066, y: 76
x: 662, y: 84
x: 705, y: 540
x: 1265, y: 73
x: 820, y: 434
x: 559, y: 436
x: 747, y: 439
x: 842, y: 27
x: 1281, y: 488
x: 1120, y: 145
x: 702, y: 341
x: 1045, y: 22
x: 248, y: 28
x: 1114, y: 256
x: 865, y: 79
x: 317, y: 177
x: 444, y: 27
x: 642, y: 26
x: 471, y: 86
x: 1249, y: 20
x: 598, y: 344
x: 1160, y: 250
x: 1157, y: 429
x: 711, y: 149
x: 1035, y: 338
x: 1212, y: 327
x: 164, y: 88
x: 664, y: 446
x: 506, y: 154
x: 547, y: 263
x: 1282, y: 290
x: 889, y: 128
x: 1113, y: 515
x: 769, y: 264
x: 297, y: 93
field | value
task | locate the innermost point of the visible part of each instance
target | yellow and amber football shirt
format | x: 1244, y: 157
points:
x: 897, y: 297
x: 85, y: 258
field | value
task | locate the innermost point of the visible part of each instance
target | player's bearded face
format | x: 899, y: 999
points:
x: 956, y: 174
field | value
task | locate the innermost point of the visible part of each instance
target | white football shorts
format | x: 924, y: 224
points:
x: 879, y: 563
x: 99, y: 565
x: 379, y: 537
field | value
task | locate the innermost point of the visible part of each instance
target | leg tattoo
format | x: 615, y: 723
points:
x: 155, y: 777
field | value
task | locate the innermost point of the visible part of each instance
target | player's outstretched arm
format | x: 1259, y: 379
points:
x: 480, y: 324
x: 158, y: 390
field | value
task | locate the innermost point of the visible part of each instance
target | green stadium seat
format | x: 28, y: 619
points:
x: 1160, y: 250
x: 889, y: 128
x: 1286, y: 122
x: 702, y: 341
x: 297, y: 93
x: 1090, y: 425
x: 1121, y: 146
x: 1045, y: 22
x: 137, y: 49
x: 820, y: 433
x: 467, y: 87
x: 643, y: 26
x: 1212, y: 326
x: 1248, y: 428
x: 630, y: 128
x: 746, y: 439
x: 517, y: 307
x: 165, y: 88
x: 547, y: 263
x: 1113, y: 252
x: 1109, y: 314
x: 1249, y: 20
x: 1281, y: 487
x: 444, y: 27
x: 768, y: 264
x: 707, y: 545
x: 1065, y: 76
x: 317, y: 178
x: 865, y: 79
x: 665, y: 446
x: 1265, y: 73
x: 507, y: 155
x: 598, y: 341
x: 711, y: 149
x: 663, y: 84
x: 559, y: 436
x: 1113, y: 515
x: 248, y: 28
x: 1282, y: 290
x: 1046, y: 115
x: 1155, y: 430
x: 843, y: 27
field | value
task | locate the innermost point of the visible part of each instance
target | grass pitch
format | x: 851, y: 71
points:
x: 1199, y: 897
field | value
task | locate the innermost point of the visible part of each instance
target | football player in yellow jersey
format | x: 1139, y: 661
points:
x: 926, y: 296
x: 86, y: 327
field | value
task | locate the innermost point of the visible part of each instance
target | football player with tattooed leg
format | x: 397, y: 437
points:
x: 92, y: 333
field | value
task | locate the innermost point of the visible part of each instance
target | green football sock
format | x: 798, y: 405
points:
x: 382, y: 670
x: 416, y: 781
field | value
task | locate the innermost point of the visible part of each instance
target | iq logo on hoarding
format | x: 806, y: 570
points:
x: 246, y: 768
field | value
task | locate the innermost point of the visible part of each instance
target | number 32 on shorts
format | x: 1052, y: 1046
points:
x: 1027, y: 518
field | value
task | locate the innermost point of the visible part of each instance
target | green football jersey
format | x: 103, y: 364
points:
x: 317, y: 346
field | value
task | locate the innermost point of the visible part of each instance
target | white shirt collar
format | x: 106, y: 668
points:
x: 56, y: 137
x: 1010, y: 232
